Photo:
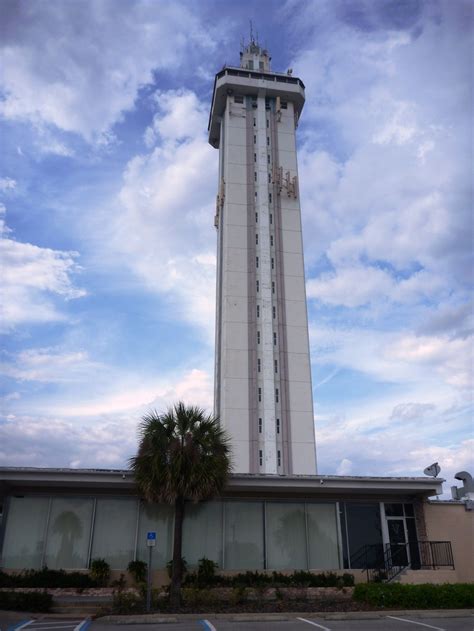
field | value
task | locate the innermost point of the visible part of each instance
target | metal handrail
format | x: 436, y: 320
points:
x: 385, y: 562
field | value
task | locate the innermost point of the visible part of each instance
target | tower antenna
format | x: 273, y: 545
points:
x: 251, y: 31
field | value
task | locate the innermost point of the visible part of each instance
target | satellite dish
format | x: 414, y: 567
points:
x: 433, y: 470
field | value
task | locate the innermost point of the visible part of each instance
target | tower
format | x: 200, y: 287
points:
x: 263, y: 393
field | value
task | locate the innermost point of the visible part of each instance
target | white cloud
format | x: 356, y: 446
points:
x: 31, y: 277
x: 93, y: 59
x: 7, y: 184
x: 50, y: 365
x: 74, y: 434
x: 162, y: 223
x: 397, y: 356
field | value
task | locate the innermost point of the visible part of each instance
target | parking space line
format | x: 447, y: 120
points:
x: 208, y: 625
x: 37, y: 624
x: 315, y: 624
x: 422, y: 624
x: 20, y: 625
x: 83, y: 625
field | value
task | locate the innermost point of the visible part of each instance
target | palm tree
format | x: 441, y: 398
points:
x: 182, y: 455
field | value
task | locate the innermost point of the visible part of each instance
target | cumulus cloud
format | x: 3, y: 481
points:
x: 93, y: 59
x: 31, y: 277
x: 162, y: 221
x: 74, y: 435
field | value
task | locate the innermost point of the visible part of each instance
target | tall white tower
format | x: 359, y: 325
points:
x: 263, y: 393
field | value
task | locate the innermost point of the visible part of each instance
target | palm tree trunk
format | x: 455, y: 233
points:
x: 175, y: 588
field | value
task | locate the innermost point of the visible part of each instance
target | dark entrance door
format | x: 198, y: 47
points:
x: 398, y: 540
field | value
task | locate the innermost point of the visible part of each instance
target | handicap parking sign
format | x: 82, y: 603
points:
x: 151, y: 538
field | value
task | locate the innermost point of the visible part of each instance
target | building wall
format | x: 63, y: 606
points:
x: 450, y: 521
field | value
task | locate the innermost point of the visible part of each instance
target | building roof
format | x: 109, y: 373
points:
x: 121, y: 480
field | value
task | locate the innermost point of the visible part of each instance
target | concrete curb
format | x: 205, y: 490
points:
x: 285, y: 617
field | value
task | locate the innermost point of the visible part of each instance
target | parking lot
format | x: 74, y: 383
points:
x: 461, y: 621
x: 385, y: 623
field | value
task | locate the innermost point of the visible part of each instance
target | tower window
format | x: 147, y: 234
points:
x: 268, y: 158
x: 255, y: 157
x: 284, y: 105
x: 273, y: 286
x: 268, y: 123
x: 276, y: 365
x: 259, y: 365
x: 274, y: 339
x: 254, y: 139
x: 271, y: 214
x: 269, y: 198
x: 277, y: 395
x: 274, y: 312
x: 260, y: 65
x: 260, y: 395
x: 256, y: 261
x: 254, y: 98
x: 260, y: 457
x: 269, y: 177
x: 258, y: 285
x: 255, y: 175
x: 255, y: 193
x: 256, y: 217
x: 258, y: 311
x: 271, y: 239
x: 279, y: 458
x: 268, y: 141
x: 260, y: 425
x: 256, y: 239
x: 258, y: 338
x: 273, y: 263
x: 238, y: 98
x: 278, y: 425
x: 254, y: 122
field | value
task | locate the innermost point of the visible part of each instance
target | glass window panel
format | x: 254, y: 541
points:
x: 409, y: 511
x: 24, y: 532
x: 322, y: 536
x: 243, y: 536
x: 364, y: 528
x: 286, y: 536
x: 157, y: 518
x: 67, y: 543
x: 394, y: 510
x: 114, y: 531
x: 202, y: 532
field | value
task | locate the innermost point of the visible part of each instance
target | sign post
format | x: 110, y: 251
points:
x: 150, y: 542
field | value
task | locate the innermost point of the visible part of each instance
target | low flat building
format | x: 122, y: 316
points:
x: 64, y: 518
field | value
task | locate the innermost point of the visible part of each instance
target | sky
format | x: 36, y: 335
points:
x: 108, y: 249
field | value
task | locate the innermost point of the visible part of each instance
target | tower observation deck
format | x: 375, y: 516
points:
x: 263, y: 393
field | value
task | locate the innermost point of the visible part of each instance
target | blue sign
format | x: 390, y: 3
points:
x: 151, y: 536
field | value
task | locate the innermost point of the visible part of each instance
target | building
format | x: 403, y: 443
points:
x: 263, y: 392
x: 276, y: 512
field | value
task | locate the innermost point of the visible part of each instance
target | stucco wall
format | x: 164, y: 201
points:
x: 447, y: 521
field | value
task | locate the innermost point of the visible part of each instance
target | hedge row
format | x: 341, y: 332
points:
x: 275, y: 579
x: 447, y: 596
x: 47, y: 578
x: 26, y: 601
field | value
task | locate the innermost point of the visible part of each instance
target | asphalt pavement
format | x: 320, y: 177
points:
x: 393, y: 622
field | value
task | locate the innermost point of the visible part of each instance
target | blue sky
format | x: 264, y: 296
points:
x: 107, y: 186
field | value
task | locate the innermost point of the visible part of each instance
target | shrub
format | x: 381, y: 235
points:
x: 138, y: 569
x: 448, y: 596
x: 100, y: 571
x: 127, y: 603
x: 206, y: 574
x: 47, y: 578
x: 23, y: 601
